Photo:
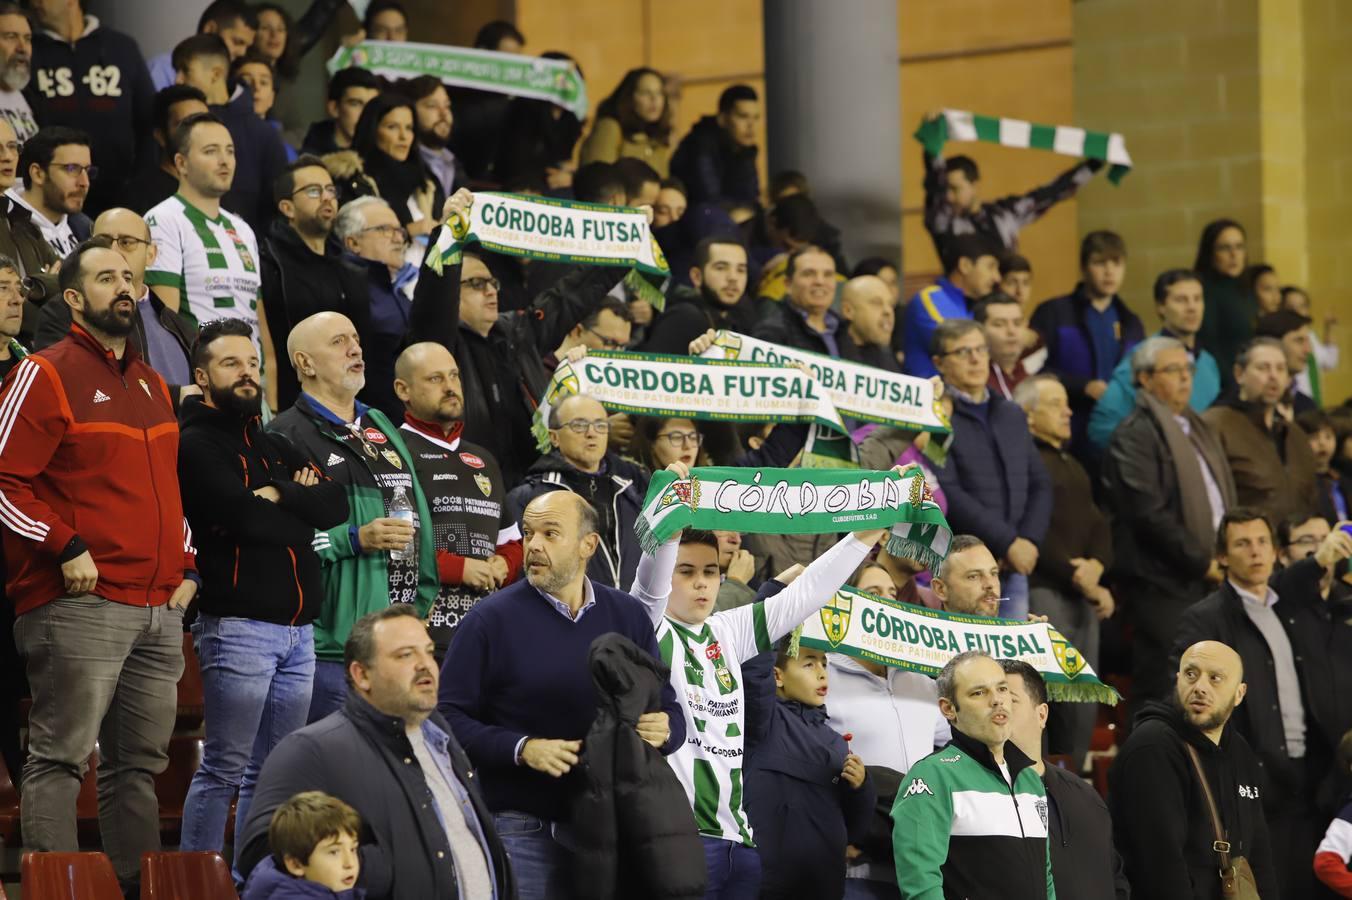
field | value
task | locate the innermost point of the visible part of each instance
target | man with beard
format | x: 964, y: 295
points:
x: 101, y: 564
x: 255, y: 502
x: 16, y: 68
x: 432, y: 109
x: 56, y: 174
x: 517, y: 689
x: 371, y: 559
x: 968, y: 580
x: 304, y: 272
x: 1161, y: 822
x: 478, y: 544
x: 970, y: 820
x: 163, y: 337
x: 719, y: 276
x: 206, y: 264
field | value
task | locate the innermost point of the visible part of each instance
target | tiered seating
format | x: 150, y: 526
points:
x: 70, y: 876
x: 186, y: 876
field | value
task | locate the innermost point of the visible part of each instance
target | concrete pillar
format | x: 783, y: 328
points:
x: 833, y: 112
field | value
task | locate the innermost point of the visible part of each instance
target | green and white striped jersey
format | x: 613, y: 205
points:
x: 213, y: 262
x: 706, y: 673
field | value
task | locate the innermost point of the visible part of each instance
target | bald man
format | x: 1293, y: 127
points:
x: 1161, y: 821
x: 162, y: 336
x: 371, y: 559
x: 869, y: 310
x: 478, y: 545
x: 517, y: 688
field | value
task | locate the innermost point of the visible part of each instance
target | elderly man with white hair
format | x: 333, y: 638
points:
x: 373, y: 558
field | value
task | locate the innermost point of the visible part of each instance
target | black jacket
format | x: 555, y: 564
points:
x: 1221, y: 617
x: 254, y: 555
x: 780, y: 323
x: 1160, y: 819
x: 503, y: 374
x: 633, y: 827
x: 1080, y: 831
x: 363, y: 757
x: 1151, y: 542
x: 689, y: 314
x: 714, y: 168
x: 802, y: 812
x: 297, y: 283
x: 616, y: 493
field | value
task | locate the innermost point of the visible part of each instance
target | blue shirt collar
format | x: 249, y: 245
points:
x: 588, y: 601
x: 327, y: 414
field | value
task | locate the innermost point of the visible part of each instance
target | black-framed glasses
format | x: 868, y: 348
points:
x: 606, y: 343
x: 682, y: 439
x: 315, y: 191
x: 74, y: 170
x: 389, y: 232
x: 481, y: 284
x: 968, y: 352
x: 582, y: 426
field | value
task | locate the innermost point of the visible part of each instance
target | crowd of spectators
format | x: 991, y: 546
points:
x: 436, y: 661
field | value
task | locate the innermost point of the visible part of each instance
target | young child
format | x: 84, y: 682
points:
x: 314, y: 852
x: 808, y: 796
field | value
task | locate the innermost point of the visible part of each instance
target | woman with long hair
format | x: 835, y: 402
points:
x: 384, y: 138
x: 1230, y: 311
x: 659, y: 442
x: 635, y: 120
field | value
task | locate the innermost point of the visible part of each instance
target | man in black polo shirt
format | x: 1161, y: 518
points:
x: 478, y: 545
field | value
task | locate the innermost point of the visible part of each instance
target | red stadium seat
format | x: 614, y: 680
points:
x: 69, y: 876
x: 9, y: 808
x: 191, y: 701
x: 186, y: 876
x: 171, y: 786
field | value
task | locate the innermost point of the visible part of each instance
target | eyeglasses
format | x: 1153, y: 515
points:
x: 582, y: 426
x: 1308, y: 540
x: 128, y: 243
x: 968, y: 352
x: 315, y: 191
x: 682, y: 439
x: 74, y: 170
x: 606, y: 343
x: 390, y: 232
x: 15, y: 147
x: 1176, y: 369
x: 481, y: 284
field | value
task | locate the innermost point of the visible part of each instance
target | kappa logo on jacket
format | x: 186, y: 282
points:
x: 101, y: 397
x: 918, y: 787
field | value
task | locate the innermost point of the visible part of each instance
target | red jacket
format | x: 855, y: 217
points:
x: 89, y: 461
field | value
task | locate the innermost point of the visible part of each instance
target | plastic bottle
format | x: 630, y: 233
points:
x: 401, y: 508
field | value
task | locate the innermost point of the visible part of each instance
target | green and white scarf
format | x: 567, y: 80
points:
x: 558, y: 231
x: 863, y: 392
x: 959, y: 125
x: 646, y: 384
x: 918, y: 639
x: 798, y: 501
x: 555, y: 80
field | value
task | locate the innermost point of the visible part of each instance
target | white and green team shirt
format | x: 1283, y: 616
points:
x: 212, y: 262
x: 706, y: 674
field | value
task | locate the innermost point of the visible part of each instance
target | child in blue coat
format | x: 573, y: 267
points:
x: 313, y: 838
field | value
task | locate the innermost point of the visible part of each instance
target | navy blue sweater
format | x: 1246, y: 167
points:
x: 518, y: 668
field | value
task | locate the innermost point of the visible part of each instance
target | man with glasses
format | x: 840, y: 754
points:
x: 997, y: 486
x: 163, y: 337
x: 304, y: 272
x: 579, y: 462
x: 608, y: 327
x: 206, y: 263
x: 1167, y: 484
x: 56, y: 173
x: 16, y: 69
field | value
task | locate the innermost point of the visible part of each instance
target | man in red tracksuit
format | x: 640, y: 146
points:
x: 101, y: 563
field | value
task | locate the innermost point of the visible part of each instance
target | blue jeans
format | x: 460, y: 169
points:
x: 734, y: 870
x: 330, y: 692
x: 1015, y: 603
x: 256, y: 680
x: 539, y: 862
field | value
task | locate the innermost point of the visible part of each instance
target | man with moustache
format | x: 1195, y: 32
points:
x: 16, y: 69
x: 101, y: 564
x: 970, y: 820
x: 255, y: 502
x: 305, y: 272
x: 478, y: 544
x: 56, y: 175
x: 432, y: 127
x: 358, y: 447
x: 968, y: 580
x: 1162, y: 825
x: 426, y: 828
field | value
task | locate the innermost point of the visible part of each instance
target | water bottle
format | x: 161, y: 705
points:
x: 402, y: 509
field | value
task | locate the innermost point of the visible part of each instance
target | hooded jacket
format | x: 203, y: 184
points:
x: 254, y: 556
x: 1084, y: 862
x: 961, y: 830
x: 267, y: 882
x: 1160, y: 820
x: 616, y: 492
x: 714, y: 168
x: 634, y: 830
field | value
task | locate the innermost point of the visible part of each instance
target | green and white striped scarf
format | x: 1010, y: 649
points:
x: 960, y: 125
